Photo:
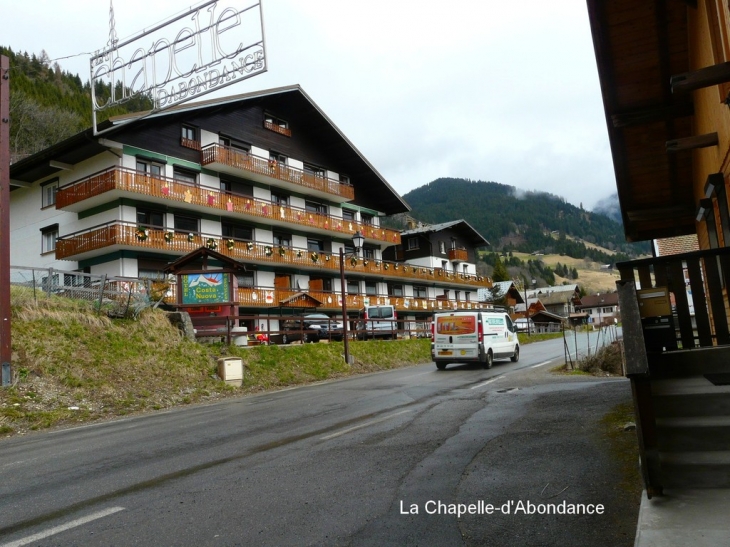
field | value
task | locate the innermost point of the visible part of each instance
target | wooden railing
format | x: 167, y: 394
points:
x: 278, y: 129
x: 698, y: 285
x: 158, y: 239
x: 240, y: 159
x: 458, y: 255
x: 128, y: 180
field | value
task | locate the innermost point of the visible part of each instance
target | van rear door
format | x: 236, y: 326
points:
x: 456, y: 335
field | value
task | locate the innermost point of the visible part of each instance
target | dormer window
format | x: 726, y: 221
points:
x: 277, y: 125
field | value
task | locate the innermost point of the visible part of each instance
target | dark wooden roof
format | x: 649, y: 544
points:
x: 639, y: 46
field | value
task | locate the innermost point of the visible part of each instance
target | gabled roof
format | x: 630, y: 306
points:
x: 475, y: 238
x: 595, y: 300
x: 677, y: 245
x: 203, y: 253
x: 377, y: 192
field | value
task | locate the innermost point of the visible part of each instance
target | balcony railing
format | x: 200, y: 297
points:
x: 458, y: 255
x: 126, y: 234
x: 244, y: 161
x: 698, y: 284
x: 128, y: 180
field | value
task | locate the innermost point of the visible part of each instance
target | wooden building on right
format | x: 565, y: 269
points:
x: 664, y: 70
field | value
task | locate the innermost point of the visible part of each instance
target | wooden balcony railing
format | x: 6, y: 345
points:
x: 240, y: 159
x: 698, y: 286
x: 278, y: 129
x: 128, y: 180
x: 160, y: 240
x: 458, y: 255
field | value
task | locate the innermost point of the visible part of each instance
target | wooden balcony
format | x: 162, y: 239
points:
x: 458, y: 255
x: 118, y: 235
x: 118, y: 182
x: 243, y: 164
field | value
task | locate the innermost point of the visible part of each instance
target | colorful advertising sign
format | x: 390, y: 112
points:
x: 205, y: 288
x: 456, y: 324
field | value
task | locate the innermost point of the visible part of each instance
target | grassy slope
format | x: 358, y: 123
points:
x: 72, y: 365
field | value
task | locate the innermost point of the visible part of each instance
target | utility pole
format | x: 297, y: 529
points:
x: 5, y: 351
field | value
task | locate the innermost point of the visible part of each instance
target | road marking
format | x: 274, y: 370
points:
x: 366, y: 424
x: 487, y: 382
x: 63, y: 527
x: 541, y: 364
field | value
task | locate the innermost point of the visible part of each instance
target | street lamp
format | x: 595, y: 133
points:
x: 357, y: 240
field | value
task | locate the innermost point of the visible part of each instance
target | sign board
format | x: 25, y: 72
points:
x: 206, y: 48
x: 206, y: 288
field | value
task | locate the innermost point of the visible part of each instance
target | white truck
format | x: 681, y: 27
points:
x: 476, y: 336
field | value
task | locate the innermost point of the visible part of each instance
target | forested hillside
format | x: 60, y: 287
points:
x: 522, y: 221
x: 48, y: 104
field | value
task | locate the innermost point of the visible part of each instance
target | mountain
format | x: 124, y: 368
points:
x: 610, y: 207
x: 522, y: 221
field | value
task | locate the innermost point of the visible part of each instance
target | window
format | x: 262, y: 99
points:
x: 442, y: 247
x: 314, y: 170
x: 368, y: 252
x: 366, y: 219
x: 457, y: 294
x: 420, y: 291
x: 150, y: 168
x: 282, y: 240
x: 236, y: 231
x: 395, y: 290
x: 183, y: 175
x: 237, y: 145
x: 315, y: 245
x: 246, y: 279
x: 49, y: 235
x: 353, y: 287
x: 315, y: 207
x: 275, y: 157
x: 348, y: 215
x: 371, y: 288
x: 236, y: 187
x: 344, y: 179
x: 412, y: 243
x: 467, y: 296
x: 349, y: 249
x: 150, y: 217
x: 188, y: 133
x: 274, y: 123
x: 466, y: 268
x: 50, y: 189
x: 186, y: 224
x: 320, y: 284
x: 446, y: 294
x: 280, y: 199
x: 156, y: 275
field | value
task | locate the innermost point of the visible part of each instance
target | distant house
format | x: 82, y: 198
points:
x: 601, y: 309
x: 560, y: 300
x: 507, y: 293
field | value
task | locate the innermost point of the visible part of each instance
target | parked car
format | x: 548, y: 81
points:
x: 329, y: 329
x: 377, y: 322
x: 295, y: 330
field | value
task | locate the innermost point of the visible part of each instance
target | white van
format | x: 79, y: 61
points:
x: 377, y: 322
x: 473, y: 336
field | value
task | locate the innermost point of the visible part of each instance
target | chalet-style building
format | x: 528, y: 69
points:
x: 664, y: 70
x: 504, y: 292
x: 263, y: 178
x: 559, y: 300
x: 601, y: 309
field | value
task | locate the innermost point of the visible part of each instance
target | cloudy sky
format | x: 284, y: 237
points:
x: 477, y: 89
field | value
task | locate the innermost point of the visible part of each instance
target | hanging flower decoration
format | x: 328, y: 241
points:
x: 327, y: 258
x: 365, y: 262
x: 395, y: 267
x: 353, y: 261
x: 142, y: 233
x: 249, y: 246
x: 430, y: 272
x: 191, y: 237
x: 314, y: 256
x: 405, y: 269
x: 282, y: 251
x: 169, y: 235
x: 268, y: 251
x: 385, y: 266
x: 211, y: 243
x: 299, y: 253
x: 230, y: 244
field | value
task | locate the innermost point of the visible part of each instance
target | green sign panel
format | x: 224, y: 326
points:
x: 205, y: 288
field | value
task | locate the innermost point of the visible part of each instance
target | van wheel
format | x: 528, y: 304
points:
x: 516, y: 356
x: 441, y: 366
x: 490, y: 359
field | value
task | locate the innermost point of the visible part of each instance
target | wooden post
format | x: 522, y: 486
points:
x: 5, y: 347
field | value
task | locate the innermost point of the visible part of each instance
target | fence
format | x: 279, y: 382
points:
x: 581, y: 343
x: 115, y: 296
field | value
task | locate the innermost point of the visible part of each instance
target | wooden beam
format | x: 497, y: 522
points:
x: 697, y: 79
x: 690, y: 143
x: 652, y: 114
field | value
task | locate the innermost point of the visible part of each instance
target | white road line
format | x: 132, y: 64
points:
x: 63, y: 527
x: 487, y: 382
x: 366, y: 424
x: 541, y: 364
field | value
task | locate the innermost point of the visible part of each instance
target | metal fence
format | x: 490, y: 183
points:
x: 115, y: 296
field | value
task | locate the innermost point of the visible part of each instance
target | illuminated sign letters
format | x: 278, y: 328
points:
x: 210, y: 46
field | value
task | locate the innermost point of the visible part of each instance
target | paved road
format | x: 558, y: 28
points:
x: 340, y: 463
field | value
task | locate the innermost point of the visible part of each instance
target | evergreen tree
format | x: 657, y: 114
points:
x: 500, y: 272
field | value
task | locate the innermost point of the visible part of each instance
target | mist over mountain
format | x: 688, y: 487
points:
x: 610, y: 207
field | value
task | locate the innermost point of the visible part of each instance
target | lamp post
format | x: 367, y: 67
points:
x: 357, y: 240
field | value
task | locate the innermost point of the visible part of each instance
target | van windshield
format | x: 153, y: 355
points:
x: 380, y: 313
